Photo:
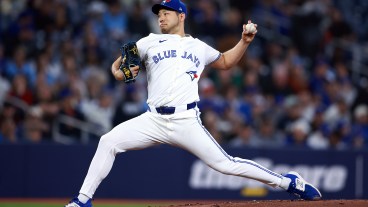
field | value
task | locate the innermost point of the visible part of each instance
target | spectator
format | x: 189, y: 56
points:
x: 211, y: 101
x: 2, y: 59
x: 99, y: 112
x: 129, y: 107
x: 305, y: 55
x: 45, y: 109
x: 298, y: 133
x: 34, y: 129
x: 20, y: 90
x: 338, y: 28
x: 4, y: 89
x: 233, y: 21
x: 244, y: 136
x: 322, y: 73
x: 291, y: 112
x: 319, y: 138
x: 94, y: 22
x: 19, y: 65
x: 345, y: 84
x: 46, y: 73
x: 340, y: 135
x: 69, y: 107
x: 21, y: 32
x: 360, y: 127
x: 206, y: 16
x: 137, y: 23
x: 211, y: 120
x: 116, y: 21
x: 306, y: 24
x: 8, y: 131
x: 280, y: 82
x: 337, y: 112
x: 266, y: 134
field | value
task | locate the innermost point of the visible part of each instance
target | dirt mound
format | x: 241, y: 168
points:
x: 283, y: 203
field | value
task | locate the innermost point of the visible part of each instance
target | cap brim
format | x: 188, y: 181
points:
x: 156, y: 8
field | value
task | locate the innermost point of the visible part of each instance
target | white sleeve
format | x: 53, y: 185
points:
x: 211, y: 54
x: 142, y: 46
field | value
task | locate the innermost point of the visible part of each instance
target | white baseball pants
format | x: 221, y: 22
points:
x: 184, y: 130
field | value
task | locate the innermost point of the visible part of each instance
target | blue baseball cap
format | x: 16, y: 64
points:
x: 174, y: 5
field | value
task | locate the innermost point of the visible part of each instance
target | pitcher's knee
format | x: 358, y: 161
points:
x: 112, y: 143
x: 224, y: 167
x: 105, y: 140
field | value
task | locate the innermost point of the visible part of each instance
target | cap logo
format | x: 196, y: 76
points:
x: 180, y: 9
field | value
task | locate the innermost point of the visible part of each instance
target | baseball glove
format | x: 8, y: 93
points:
x: 130, y: 58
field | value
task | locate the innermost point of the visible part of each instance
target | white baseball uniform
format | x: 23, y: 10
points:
x: 174, y: 65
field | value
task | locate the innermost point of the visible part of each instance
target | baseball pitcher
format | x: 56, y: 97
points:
x: 174, y: 62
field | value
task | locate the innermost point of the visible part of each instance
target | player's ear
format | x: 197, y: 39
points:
x: 182, y: 16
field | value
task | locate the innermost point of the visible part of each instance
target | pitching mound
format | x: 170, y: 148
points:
x: 283, y: 203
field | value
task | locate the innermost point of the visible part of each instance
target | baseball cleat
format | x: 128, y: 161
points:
x: 298, y: 186
x: 76, y: 203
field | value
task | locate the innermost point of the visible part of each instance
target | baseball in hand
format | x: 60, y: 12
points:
x: 250, y: 28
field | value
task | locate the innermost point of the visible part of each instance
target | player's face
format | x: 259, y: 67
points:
x: 168, y: 21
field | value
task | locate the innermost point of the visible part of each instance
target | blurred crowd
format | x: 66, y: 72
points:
x: 302, y: 82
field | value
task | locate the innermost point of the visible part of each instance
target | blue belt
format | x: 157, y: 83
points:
x: 166, y: 110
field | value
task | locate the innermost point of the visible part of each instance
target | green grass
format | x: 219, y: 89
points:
x: 27, y: 204
x: 39, y: 202
x: 14, y: 204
